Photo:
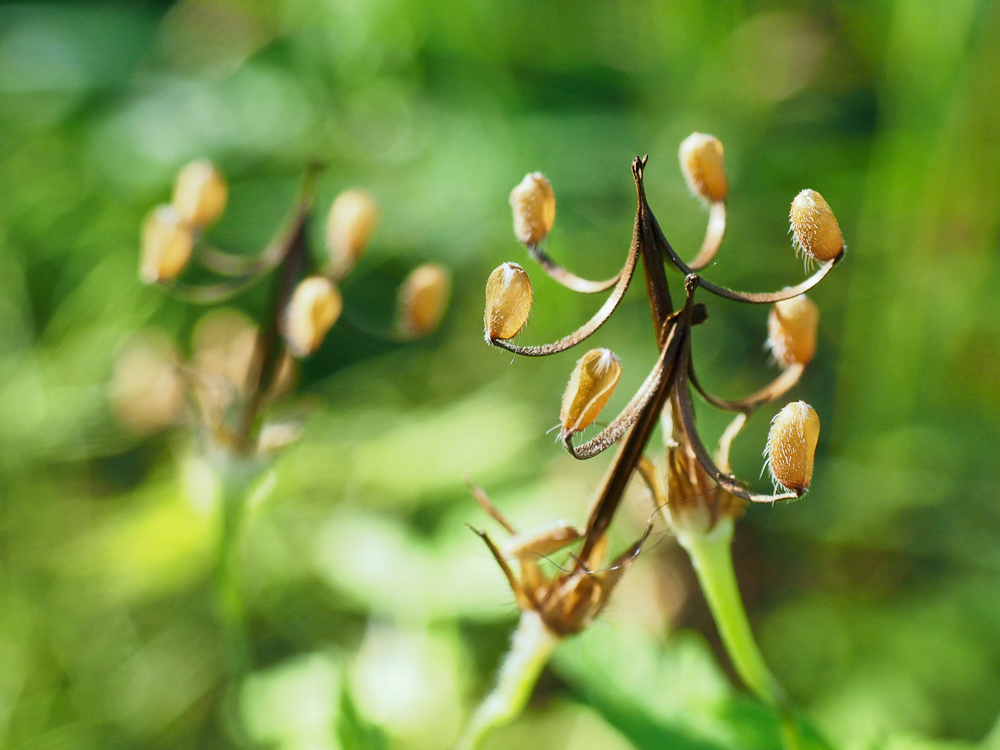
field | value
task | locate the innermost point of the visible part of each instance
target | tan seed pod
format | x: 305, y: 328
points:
x: 200, y: 194
x: 815, y: 230
x: 791, y: 330
x: 147, y: 390
x: 314, y: 308
x: 166, y: 245
x: 791, y: 446
x: 423, y: 298
x: 534, y: 205
x: 349, y: 227
x: 508, y: 302
x: 590, y: 386
x: 703, y: 167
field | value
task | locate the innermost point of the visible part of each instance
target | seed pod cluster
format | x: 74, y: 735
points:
x: 313, y: 309
x: 534, y: 205
x: 508, y: 302
x: 791, y: 331
x: 349, y: 228
x: 423, y: 298
x: 791, y: 446
x: 704, y: 170
x: 815, y: 230
x: 590, y: 386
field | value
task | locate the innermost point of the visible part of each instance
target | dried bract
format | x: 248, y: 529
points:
x: 815, y: 229
x: 423, y: 298
x: 200, y: 194
x: 166, y: 245
x: 703, y: 168
x: 508, y: 302
x: 791, y: 331
x: 791, y: 446
x: 534, y: 205
x: 590, y: 386
x: 314, y: 308
x: 349, y: 227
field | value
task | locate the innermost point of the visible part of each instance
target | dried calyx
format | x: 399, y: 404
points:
x: 590, y: 386
x: 534, y: 205
x: 200, y: 194
x: 815, y: 230
x: 167, y: 244
x: 508, y: 302
x: 791, y: 331
x: 791, y: 446
x: 423, y: 298
x: 314, y: 308
x: 349, y: 228
x: 704, y: 170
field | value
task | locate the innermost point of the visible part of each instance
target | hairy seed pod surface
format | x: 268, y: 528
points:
x: 508, y: 302
x: 314, y: 308
x: 166, y: 245
x: 200, y: 194
x: 791, y: 446
x: 791, y: 331
x: 423, y: 298
x: 349, y: 227
x: 590, y: 386
x: 815, y: 230
x: 534, y: 204
x: 703, y: 168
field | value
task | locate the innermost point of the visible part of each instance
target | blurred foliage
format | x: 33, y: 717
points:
x: 376, y: 618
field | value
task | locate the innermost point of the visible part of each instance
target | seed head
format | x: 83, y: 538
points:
x: 703, y: 168
x: 508, y: 302
x: 314, y: 308
x: 590, y: 386
x: 815, y: 230
x: 423, y: 298
x: 534, y: 205
x: 791, y: 446
x: 349, y: 227
x: 791, y: 330
x: 200, y: 194
x: 166, y: 245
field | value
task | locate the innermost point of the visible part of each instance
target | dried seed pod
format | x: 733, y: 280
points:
x: 703, y: 168
x: 200, y: 194
x: 791, y: 446
x: 590, y: 386
x: 534, y: 205
x: 508, y: 302
x: 791, y: 330
x: 423, y: 298
x: 349, y: 227
x: 147, y: 390
x: 815, y: 230
x: 314, y: 308
x: 166, y: 245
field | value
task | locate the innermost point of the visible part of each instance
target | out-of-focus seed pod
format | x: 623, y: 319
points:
x: 349, y: 227
x: 703, y: 168
x: 147, y: 390
x: 590, y: 386
x: 423, y: 298
x: 815, y: 230
x: 791, y: 446
x: 166, y: 245
x: 534, y: 204
x: 508, y: 302
x: 200, y: 194
x: 314, y: 308
x: 791, y: 330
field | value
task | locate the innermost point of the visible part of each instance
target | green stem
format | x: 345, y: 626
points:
x: 530, y: 651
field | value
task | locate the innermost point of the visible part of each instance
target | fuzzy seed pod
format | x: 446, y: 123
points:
x: 200, y: 194
x: 703, y: 168
x: 166, y: 245
x: 534, y: 205
x: 349, y: 227
x: 791, y: 446
x: 590, y: 386
x: 314, y: 308
x: 791, y: 331
x: 508, y: 302
x: 423, y: 298
x: 815, y: 230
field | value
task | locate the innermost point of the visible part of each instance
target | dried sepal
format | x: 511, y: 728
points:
x: 791, y: 331
x: 200, y: 194
x: 508, y: 302
x: 815, y: 230
x: 349, y: 228
x: 423, y: 298
x: 166, y: 245
x: 704, y: 170
x: 590, y: 386
x: 791, y: 446
x: 313, y: 309
x: 534, y: 205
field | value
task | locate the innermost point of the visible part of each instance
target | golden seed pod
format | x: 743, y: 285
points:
x: 423, y: 298
x: 791, y: 446
x: 314, y: 308
x: 590, y: 386
x: 508, y: 302
x: 815, y: 230
x: 349, y: 227
x: 534, y: 205
x: 703, y: 168
x: 791, y: 330
x: 166, y: 245
x: 200, y: 194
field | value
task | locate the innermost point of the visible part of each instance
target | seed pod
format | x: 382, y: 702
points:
x: 166, y: 245
x: 590, y: 386
x: 423, y: 298
x: 703, y: 168
x: 200, y: 194
x: 534, y: 205
x: 349, y: 227
x: 147, y: 390
x: 508, y: 302
x: 791, y: 330
x: 815, y: 231
x: 314, y: 308
x: 791, y: 446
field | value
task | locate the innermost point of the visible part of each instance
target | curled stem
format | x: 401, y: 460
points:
x: 714, y: 233
x: 567, y: 278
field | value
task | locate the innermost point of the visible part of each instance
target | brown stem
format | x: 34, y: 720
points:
x: 567, y: 278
